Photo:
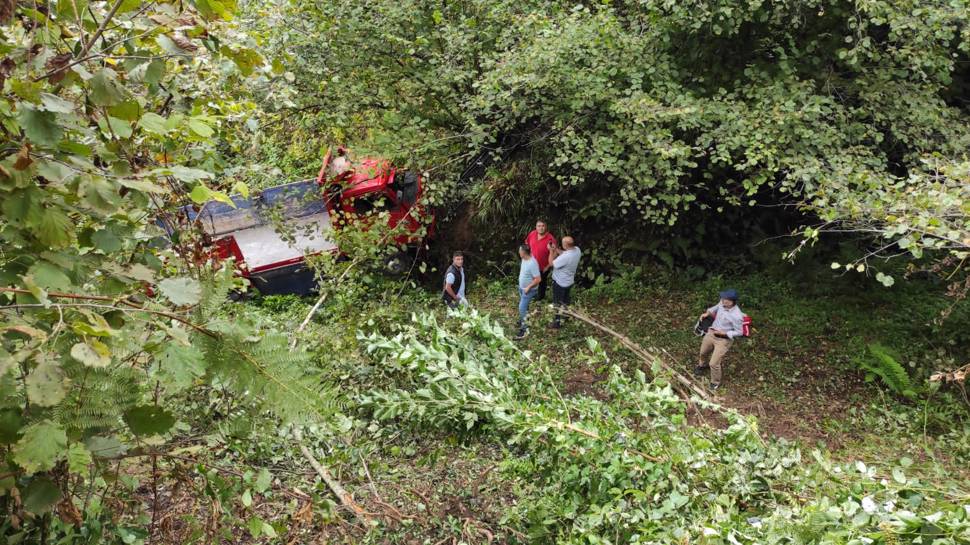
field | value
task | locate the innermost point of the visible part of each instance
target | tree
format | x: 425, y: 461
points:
x: 110, y: 115
x: 641, y: 112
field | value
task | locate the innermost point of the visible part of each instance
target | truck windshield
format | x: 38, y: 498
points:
x: 406, y: 185
x: 367, y: 204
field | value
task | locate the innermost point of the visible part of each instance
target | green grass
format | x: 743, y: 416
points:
x: 801, y: 371
x: 798, y: 374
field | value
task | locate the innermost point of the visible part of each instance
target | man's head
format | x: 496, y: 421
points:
x: 525, y: 252
x: 541, y: 227
x: 568, y: 243
x: 458, y: 259
x: 729, y: 298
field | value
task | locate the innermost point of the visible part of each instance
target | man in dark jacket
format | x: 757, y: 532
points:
x: 453, y: 293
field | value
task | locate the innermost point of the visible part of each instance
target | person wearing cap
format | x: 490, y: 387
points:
x: 728, y: 324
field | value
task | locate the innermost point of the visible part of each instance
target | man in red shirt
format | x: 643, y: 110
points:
x: 539, y: 241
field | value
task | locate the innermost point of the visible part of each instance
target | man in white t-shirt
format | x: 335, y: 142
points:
x: 565, y: 261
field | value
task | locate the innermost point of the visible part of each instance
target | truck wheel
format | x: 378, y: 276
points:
x: 398, y: 264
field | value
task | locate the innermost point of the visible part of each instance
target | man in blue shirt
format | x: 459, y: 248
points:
x: 453, y: 293
x: 529, y: 278
x: 728, y: 324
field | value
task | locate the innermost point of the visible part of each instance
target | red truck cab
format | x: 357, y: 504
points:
x: 356, y: 191
x: 271, y: 232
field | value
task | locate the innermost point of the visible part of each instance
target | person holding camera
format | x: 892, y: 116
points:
x: 728, y: 324
x: 564, y: 263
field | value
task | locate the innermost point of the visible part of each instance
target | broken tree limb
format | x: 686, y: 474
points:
x: 340, y: 279
x: 683, y: 383
x: 345, y: 498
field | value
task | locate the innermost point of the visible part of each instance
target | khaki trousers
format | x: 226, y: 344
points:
x: 719, y: 346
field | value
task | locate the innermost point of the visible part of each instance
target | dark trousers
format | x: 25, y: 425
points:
x: 543, y: 284
x: 560, y: 298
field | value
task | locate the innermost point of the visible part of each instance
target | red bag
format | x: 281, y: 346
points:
x: 746, y: 326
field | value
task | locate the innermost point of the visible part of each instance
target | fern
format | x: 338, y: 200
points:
x: 881, y: 363
x: 98, y: 398
x: 256, y: 362
x: 260, y: 365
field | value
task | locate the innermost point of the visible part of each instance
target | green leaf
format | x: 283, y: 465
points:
x: 155, y: 71
x: 105, y: 447
x: 241, y: 188
x: 38, y: 292
x: 40, y: 447
x: 10, y: 422
x: 40, y: 495
x: 66, y: 9
x: 50, y: 276
x: 180, y: 365
x: 119, y: 128
x: 129, y: 5
x: 216, y: 9
x: 143, y: 185
x: 170, y: 46
x: 885, y: 279
x: 247, y: 498
x: 78, y: 458
x: 40, y: 127
x: 200, y: 194
x: 200, y: 128
x: 149, y: 420
x: 153, y: 123
x: 104, y: 90
x: 181, y: 291
x: 255, y: 526
x: 128, y: 110
x: 187, y: 174
x: 263, y: 481
x: 53, y: 171
x: 92, y: 354
x: 56, y: 104
x: 106, y: 240
x: 54, y: 229
x: 46, y: 385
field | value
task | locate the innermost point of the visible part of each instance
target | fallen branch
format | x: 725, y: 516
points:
x: 683, y: 384
x: 957, y: 375
x: 345, y: 498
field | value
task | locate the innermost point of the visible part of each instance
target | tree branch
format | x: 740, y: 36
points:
x: 101, y: 27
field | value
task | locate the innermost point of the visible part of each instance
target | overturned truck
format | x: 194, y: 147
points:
x: 271, y: 232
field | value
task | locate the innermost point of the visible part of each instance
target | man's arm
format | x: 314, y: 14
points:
x: 737, y: 328
x: 552, y: 256
x: 554, y: 253
x: 534, y: 283
x: 449, y: 281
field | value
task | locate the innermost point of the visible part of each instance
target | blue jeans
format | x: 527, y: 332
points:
x: 524, y: 300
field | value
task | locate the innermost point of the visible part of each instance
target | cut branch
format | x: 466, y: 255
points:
x: 682, y: 384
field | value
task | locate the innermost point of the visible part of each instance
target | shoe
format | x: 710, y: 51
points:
x: 522, y: 334
x: 715, y: 386
x: 699, y: 369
